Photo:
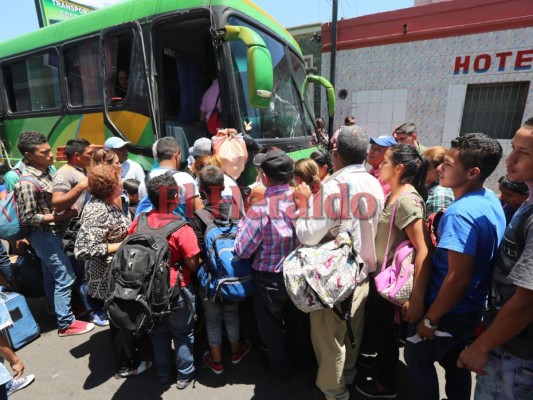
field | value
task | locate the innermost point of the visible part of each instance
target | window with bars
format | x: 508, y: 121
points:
x: 495, y: 109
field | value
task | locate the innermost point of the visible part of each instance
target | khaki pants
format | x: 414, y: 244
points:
x: 335, y: 355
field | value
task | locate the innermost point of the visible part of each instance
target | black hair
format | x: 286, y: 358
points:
x: 517, y: 187
x: 211, y: 178
x: 415, y: 167
x: 323, y: 157
x: 408, y: 128
x: 29, y: 140
x: 161, y: 185
x: 131, y: 186
x: 478, y: 150
x: 348, y: 120
x: 352, y: 144
x: 75, y: 146
x: 166, y: 147
x: 529, y: 123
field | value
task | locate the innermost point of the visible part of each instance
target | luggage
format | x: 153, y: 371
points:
x: 24, y: 329
x: 27, y: 275
x: 231, y: 150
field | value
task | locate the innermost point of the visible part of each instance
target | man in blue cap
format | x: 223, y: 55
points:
x: 130, y: 169
x: 375, y: 155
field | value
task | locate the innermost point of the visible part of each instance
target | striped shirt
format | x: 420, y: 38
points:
x: 32, y: 203
x: 266, y: 233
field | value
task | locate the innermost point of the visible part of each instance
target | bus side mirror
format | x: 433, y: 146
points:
x: 330, y: 91
x: 259, y: 64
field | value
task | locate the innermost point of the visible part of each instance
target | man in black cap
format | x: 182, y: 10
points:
x: 266, y: 233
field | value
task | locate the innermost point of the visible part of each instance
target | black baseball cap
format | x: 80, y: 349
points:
x: 276, y: 164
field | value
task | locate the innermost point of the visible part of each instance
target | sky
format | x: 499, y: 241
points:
x: 19, y: 17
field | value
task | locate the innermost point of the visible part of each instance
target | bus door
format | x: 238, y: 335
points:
x: 129, y: 109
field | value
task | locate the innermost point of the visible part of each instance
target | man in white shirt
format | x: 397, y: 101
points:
x: 130, y: 169
x: 350, y: 199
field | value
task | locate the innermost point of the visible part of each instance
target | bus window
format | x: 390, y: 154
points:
x: 82, y: 68
x: 32, y: 84
x: 282, y: 119
x: 118, y: 54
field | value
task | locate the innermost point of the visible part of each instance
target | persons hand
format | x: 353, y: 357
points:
x: 473, y: 358
x: 413, y: 311
x: 304, y: 189
x: 425, y: 333
x: 18, y: 368
x: 21, y: 246
x: 247, y: 126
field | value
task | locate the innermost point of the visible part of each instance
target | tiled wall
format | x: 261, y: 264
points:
x: 415, y: 81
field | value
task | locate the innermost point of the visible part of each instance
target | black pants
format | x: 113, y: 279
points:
x: 380, y: 336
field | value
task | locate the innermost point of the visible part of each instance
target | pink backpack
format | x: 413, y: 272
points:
x: 395, y: 282
x: 231, y: 150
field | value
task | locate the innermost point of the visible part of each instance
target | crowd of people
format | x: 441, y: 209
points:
x: 481, y: 241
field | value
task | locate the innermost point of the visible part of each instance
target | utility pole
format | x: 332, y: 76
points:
x: 333, y: 60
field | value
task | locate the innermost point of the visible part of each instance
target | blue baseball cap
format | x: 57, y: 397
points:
x: 384, y: 140
x: 115, y: 143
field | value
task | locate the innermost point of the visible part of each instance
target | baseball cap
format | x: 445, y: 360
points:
x: 383, y: 140
x: 115, y: 143
x: 276, y: 164
x: 201, y: 147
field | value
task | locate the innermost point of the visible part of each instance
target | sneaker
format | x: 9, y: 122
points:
x: 76, y: 328
x: 244, y: 349
x: 20, y: 383
x: 183, y: 383
x: 217, y: 368
x: 125, y: 373
x: 368, y: 389
x: 368, y: 362
x: 99, y: 318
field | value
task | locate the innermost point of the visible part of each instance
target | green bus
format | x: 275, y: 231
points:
x: 62, y: 80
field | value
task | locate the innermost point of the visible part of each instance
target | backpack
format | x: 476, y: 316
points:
x: 432, y: 226
x: 10, y: 227
x: 139, y: 292
x: 224, y: 276
x: 324, y: 276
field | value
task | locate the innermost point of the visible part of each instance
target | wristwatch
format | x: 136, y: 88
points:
x: 428, y: 324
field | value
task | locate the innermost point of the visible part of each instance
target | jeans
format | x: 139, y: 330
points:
x: 5, y: 265
x: 214, y: 315
x: 281, y: 325
x: 81, y: 282
x: 58, y: 274
x: 3, y: 392
x: 422, y: 356
x: 178, y: 327
x: 508, y: 378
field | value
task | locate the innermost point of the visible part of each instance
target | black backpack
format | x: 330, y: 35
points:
x: 139, y: 292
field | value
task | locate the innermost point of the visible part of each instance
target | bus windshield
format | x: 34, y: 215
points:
x: 284, y: 117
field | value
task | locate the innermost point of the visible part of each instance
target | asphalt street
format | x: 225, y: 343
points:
x: 80, y: 367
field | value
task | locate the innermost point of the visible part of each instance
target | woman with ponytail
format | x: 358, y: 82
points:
x: 306, y: 170
x: 405, y: 170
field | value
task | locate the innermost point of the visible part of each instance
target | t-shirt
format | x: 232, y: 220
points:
x: 133, y: 170
x: 186, y: 189
x: 209, y: 100
x: 182, y: 244
x: 409, y: 208
x: 65, y: 179
x: 514, y: 267
x: 474, y: 224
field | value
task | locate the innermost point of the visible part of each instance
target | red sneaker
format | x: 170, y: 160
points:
x: 217, y: 368
x: 76, y: 328
x: 244, y: 349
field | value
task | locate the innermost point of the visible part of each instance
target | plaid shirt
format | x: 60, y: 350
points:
x: 267, y: 232
x: 32, y: 203
x: 439, y: 198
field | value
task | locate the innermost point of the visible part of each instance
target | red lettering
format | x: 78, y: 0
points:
x: 363, y: 206
x: 503, y: 59
x: 461, y: 64
x: 482, y: 59
x: 522, y: 60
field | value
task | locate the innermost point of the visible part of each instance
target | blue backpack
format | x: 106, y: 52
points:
x: 224, y: 276
x: 10, y: 227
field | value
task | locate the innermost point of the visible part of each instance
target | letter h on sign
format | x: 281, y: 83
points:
x: 461, y: 64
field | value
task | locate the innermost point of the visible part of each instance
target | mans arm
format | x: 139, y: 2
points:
x: 515, y: 315
x: 311, y: 227
x: 454, y: 286
x: 7, y: 352
x: 63, y: 199
x: 249, y: 233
